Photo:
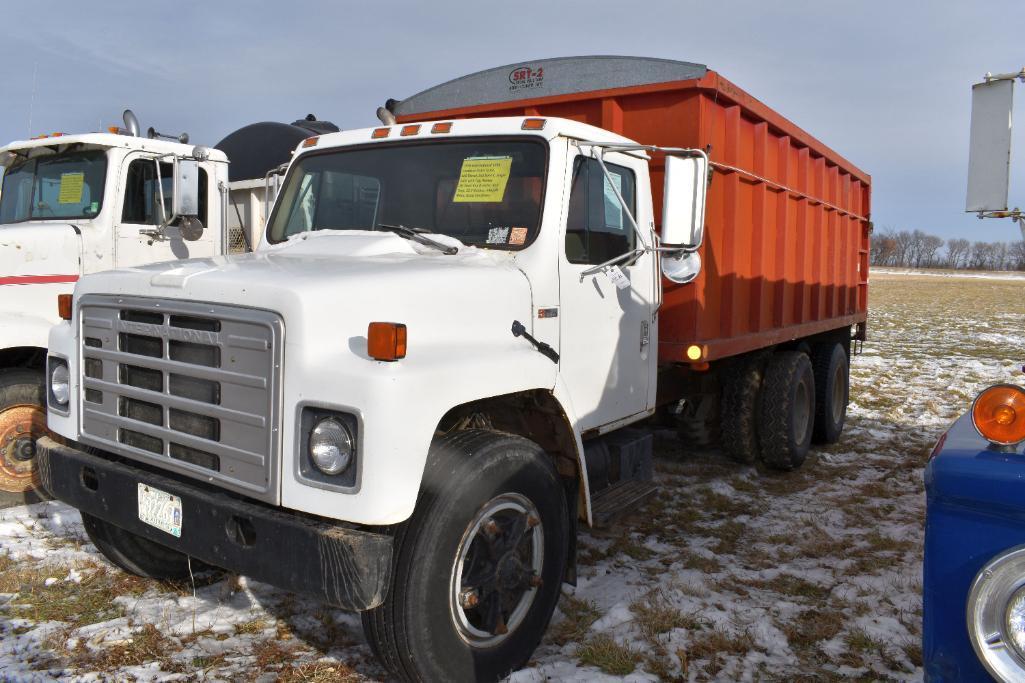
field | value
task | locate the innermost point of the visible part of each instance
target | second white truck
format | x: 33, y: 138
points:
x: 84, y: 203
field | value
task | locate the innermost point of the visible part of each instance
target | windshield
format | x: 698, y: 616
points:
x: 483, y: 192
x: 68, y: 185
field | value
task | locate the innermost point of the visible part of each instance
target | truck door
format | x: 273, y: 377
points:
x: 141, y: 212
x: 607, y: 337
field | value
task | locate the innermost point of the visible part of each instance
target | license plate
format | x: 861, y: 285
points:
x: 160, y: 509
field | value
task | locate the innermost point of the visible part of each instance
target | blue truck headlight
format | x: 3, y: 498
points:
x: 1014, y: 621
x: 996, y: 615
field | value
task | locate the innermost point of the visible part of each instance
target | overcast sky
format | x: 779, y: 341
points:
x: 886, y: 84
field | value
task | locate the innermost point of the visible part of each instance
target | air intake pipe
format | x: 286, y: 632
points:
x: 385, y: 113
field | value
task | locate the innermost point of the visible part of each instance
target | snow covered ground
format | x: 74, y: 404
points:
x: 732, y: 574
x: 944, y: 272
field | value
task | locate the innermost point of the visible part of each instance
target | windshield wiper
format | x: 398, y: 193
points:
x: 417, y: 235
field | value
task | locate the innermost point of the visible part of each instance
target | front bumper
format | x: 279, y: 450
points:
x: 348, y: 568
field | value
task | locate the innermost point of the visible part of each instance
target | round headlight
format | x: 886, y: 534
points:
x: 331, y: 446
x: 996, y: 615
x: 1014, y: 621
x: 60, y: 384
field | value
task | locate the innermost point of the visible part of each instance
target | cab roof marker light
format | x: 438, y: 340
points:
x: 533, y: 124
x: 311, y: 141
x: 380, y: 133
x: 445, y: 127
x: 410, y: 130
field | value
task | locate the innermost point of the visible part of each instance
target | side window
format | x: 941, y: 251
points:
x: 597, y: 228
x: 142, y: 196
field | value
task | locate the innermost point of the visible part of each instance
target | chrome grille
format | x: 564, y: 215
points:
x: 190, y: 387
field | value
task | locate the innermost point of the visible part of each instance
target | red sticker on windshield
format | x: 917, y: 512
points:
x: 517, y: 236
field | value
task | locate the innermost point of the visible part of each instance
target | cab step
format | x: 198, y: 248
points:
x: 616, y: 501
x: 620, y: 470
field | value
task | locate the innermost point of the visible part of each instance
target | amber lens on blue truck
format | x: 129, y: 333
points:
x: 999, y: 414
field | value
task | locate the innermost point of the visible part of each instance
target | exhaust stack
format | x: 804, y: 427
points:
x: 131, y: 122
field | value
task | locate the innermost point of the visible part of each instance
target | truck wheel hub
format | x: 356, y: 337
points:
x: 511, y: 573
x: 20, y: 426
x: 497, y: 561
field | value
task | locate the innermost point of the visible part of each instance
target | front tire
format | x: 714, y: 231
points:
x: 478, y: 566
x: 22, y: 421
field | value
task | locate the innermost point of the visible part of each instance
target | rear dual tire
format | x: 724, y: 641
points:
x: 741, y: 397
x: 786, y: 411
x: 832, y: 391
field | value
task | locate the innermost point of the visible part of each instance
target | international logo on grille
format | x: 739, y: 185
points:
x: 176, y: 333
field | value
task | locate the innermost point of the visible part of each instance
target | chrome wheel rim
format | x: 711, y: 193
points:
x: 497, y: 570
x: 20, y: 426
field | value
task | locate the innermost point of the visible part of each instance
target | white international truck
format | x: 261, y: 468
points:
x: 407, y: 398
x: 78, y: 204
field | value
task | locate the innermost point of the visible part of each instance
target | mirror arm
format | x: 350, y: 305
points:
x: 158, y: 231
x: 615, y: 260
x: 277, y: 172
x: 596, y: 153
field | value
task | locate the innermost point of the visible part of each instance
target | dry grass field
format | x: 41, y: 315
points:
x: 733, y: 573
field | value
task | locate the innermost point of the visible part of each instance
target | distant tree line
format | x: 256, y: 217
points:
x: 917, y: 249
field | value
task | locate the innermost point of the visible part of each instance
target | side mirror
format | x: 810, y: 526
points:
x: 683, y: 215
x: 989, y: 153
x: 683, y: 207
x: 186, y: 188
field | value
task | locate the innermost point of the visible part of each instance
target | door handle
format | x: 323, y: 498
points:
x: 645, y: 335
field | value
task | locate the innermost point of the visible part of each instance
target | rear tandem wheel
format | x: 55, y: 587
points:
x: 786, y: 412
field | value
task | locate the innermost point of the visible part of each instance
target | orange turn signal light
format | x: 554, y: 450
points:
x: 380, y: 133
x: 533, y: 124
x: 64, y: 306
x: 410, y: 130
x: 310, y: 142
x: 386, y: 341
x: 445, y: 127
x: 999, y: 414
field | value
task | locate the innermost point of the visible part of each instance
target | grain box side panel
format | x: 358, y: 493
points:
x: 786, y: 249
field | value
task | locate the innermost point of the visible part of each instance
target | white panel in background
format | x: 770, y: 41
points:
x: 989, y: 154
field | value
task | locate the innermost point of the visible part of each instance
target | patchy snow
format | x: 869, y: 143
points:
x: 733, y: 573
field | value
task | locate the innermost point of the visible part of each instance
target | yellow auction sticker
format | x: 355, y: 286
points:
x: 483, y: 179
x: 71, y: 188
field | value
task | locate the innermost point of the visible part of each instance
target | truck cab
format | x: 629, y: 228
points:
x: 72, y: 205
x: 422, y: 285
